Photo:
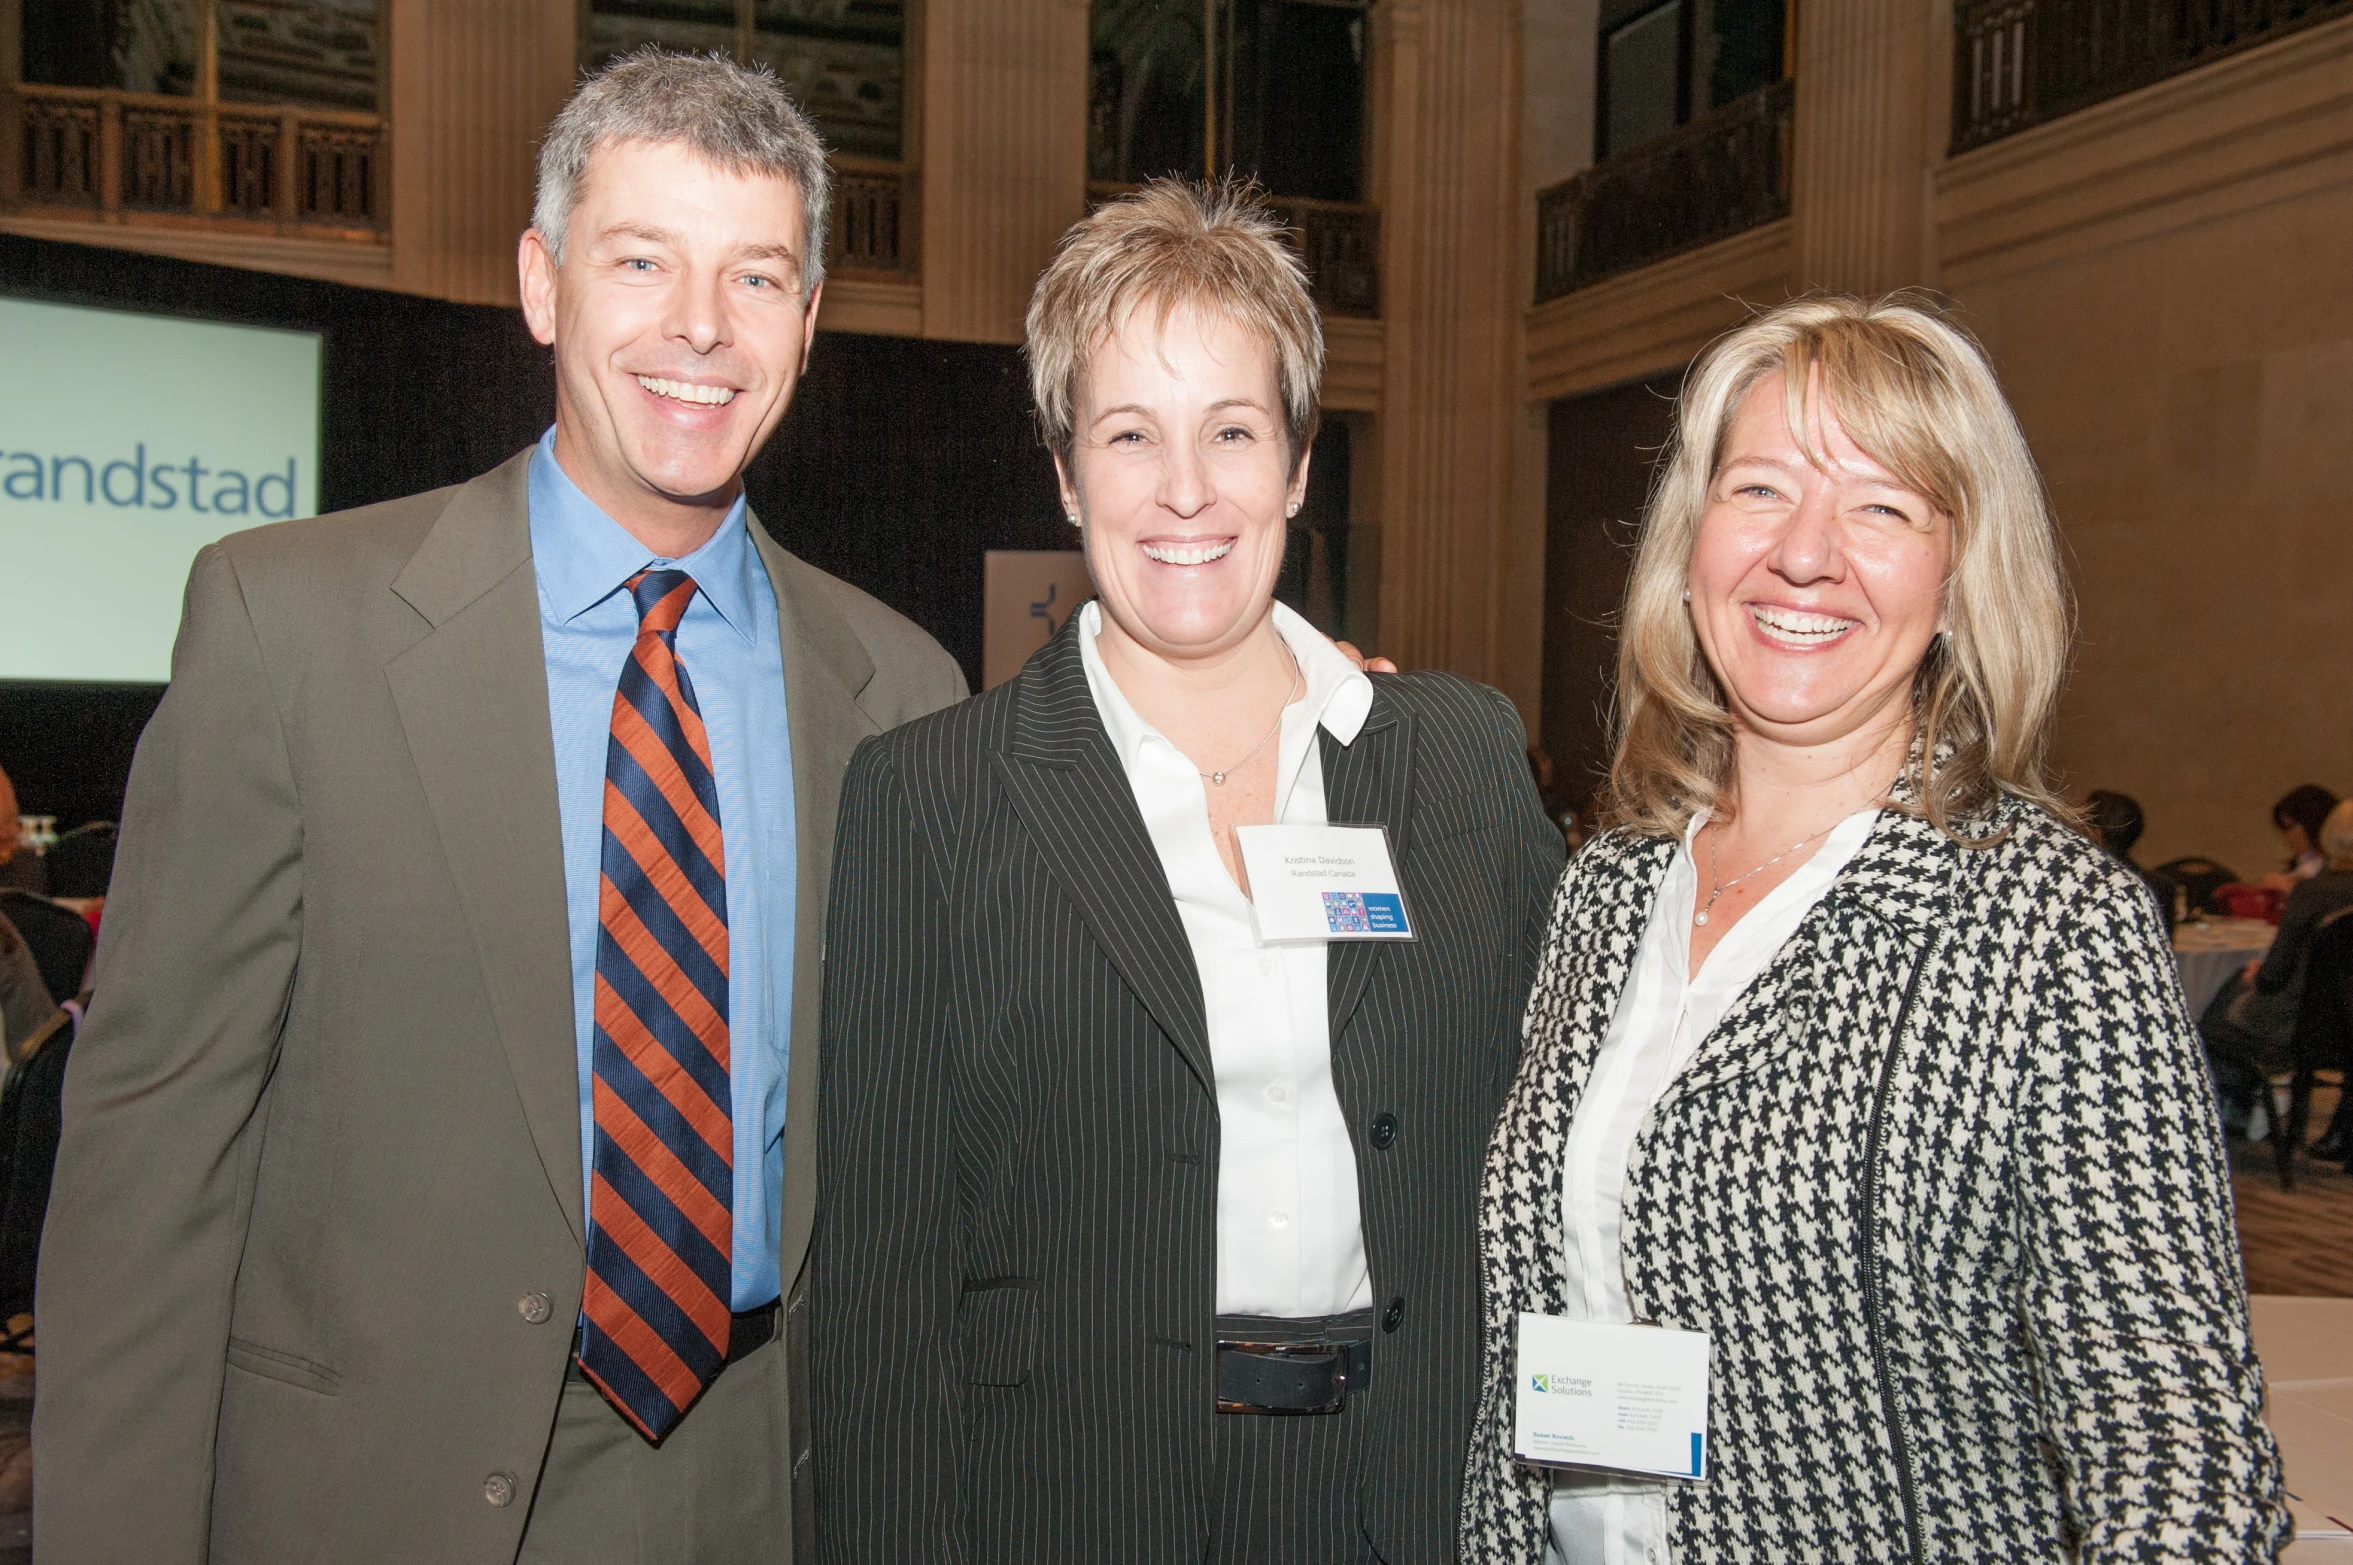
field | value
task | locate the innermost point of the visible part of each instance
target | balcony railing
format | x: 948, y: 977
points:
x: 116, y: 154
x: 1338, y: 241
x: 1725, y: 172
x: 109, y: 153
x: 875, y: 219
x: 2020, y: 62
x: 1341, y: 245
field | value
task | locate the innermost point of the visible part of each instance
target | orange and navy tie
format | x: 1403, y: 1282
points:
x: 661, y: 1204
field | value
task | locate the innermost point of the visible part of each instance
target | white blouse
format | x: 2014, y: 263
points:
x: 1290, y: 1233
x: 1664, y: 1015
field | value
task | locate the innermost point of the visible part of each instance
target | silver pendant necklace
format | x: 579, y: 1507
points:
x: 1219, y: 777
x: 1722, y: 886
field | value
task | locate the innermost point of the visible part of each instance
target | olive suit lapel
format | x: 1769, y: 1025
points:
x: 826, y: 670
x: 472, y: 697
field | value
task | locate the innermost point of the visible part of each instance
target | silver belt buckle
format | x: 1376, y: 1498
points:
x: 1288, y: 1350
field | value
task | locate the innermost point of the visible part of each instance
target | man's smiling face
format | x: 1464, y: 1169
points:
x: 680, y: 325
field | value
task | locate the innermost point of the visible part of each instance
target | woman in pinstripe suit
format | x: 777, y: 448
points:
x: 1141, y: 1241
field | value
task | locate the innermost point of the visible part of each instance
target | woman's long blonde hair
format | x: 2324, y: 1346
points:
x: 1916, y: 394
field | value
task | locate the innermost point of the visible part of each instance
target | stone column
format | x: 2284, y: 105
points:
x: 473, y: 85
x: 1858, y: 185
x: 1004, y: 155
x: 1557, y: 64
x: 1446, y: 165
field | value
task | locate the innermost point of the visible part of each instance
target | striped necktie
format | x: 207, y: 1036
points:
x: 661, y: 1222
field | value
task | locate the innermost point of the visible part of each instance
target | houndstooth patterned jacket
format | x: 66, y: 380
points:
x: 1946, y: 1190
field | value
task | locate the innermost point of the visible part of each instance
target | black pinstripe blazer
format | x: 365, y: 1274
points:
x: 1017, y: 1144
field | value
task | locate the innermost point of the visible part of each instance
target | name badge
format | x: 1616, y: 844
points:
x: 1630, y: 1398
x: 1323, y: 883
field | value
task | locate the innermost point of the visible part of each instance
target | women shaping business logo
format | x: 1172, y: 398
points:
x: 135, y: 482
x: 139, y: 440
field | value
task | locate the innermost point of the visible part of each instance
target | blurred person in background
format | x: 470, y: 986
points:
x: 25, y: 1002
x: 426, y: 1190
x: 1141, y: 1239
x: 2250, y: 1026
x: 1849, y: 1051
x: 1559, y: 806
x: 2114, y: 821
x: 2298, y: 817
x: 20, y: 866
x: 2336, y: 844
x: 24, y: 999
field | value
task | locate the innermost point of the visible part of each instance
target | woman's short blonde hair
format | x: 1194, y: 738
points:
x: 1172, y: 243
x: 2336, y: 836
x: 1916, y: 393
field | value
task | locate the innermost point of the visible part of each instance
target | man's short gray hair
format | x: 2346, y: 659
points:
x: 734, y: 116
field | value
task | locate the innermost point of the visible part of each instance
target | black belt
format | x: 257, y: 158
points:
x: 1272, y: 1365
x: 748, y: 1331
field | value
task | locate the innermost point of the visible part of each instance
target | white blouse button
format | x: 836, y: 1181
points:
x: 1278, y: 1219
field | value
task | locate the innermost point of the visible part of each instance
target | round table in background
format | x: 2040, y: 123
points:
x: 2211, y: 952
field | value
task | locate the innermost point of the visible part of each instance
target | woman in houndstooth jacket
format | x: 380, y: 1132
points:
x: 1847, y: 1050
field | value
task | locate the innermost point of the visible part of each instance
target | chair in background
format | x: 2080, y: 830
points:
x: 81, y: 861
x: 2199, y: 878
x: 59, y: 938
x: 2323, y: 1038
x: 25, y: 871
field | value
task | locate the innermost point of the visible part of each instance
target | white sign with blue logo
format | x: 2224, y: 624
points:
x: 1310, y: 883
x: 1630, y: 1398
x: 127, y: 443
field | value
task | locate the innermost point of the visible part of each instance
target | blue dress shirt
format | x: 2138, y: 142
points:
x: 729, y: 645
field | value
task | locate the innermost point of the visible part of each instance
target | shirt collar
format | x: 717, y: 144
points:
x: 582, y: 556
x: 1338, y: 693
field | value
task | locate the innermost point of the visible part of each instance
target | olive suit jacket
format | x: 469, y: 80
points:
x: 1015, y: 1273
x: 316, y: 1240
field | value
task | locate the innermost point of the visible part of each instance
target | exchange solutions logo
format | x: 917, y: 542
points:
x: 141, y: 482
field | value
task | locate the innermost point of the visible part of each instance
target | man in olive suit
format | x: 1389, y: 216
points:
x: 436, y: 1176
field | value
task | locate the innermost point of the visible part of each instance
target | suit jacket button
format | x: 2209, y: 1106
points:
x: 1394, y: 1316
x: 1384, y: 1131
x: 535, y: 1308
x: 499, y: 1489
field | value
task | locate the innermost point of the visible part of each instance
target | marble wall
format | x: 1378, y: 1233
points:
x: 2160, y: 281
x: 1446, y: 177
x: 1004, y: 156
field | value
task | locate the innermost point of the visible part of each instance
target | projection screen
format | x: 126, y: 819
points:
x: 127, y: 443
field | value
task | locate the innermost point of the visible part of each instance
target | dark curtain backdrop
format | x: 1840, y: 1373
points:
x: 899, y: 465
